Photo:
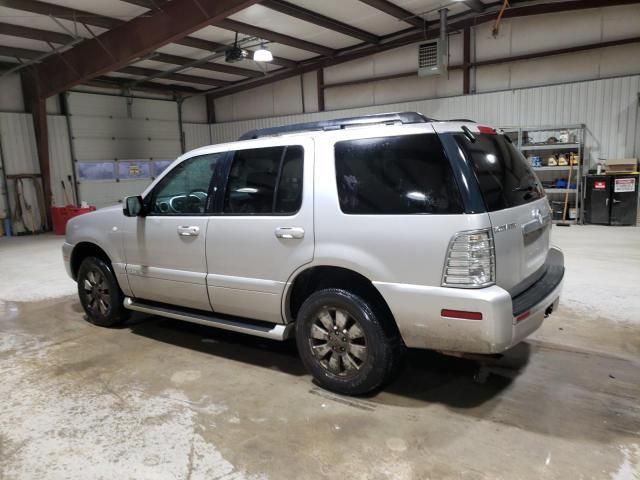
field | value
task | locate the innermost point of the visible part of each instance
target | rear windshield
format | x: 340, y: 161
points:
x: 506, y: 179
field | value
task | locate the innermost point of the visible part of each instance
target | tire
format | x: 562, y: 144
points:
x: 100, y: 294
x: 344, y: 344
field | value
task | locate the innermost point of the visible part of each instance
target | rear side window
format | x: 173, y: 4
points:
x: 394, y: 176
x: 506, y: 179
x: 265, y: 181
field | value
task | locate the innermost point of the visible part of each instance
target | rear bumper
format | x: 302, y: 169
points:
x: 505, y: 322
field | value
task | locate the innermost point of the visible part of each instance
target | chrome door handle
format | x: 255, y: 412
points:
x: 616, y: 201
x: 188, y: 231
x: 290, y: 232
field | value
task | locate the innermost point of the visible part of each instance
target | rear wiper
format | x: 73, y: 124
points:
x: 469, y: 134
x: 526, y: 188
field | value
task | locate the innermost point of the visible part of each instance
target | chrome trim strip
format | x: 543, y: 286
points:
x: 277, y: 332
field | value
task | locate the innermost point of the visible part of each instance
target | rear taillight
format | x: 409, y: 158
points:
x: 471, y: 261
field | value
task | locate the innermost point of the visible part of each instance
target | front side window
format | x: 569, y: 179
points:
x: 185, y: 189
x: 395, y: 175
x: 265, y: 181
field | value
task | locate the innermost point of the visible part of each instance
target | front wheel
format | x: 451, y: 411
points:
x: 100, y: 294
x: 343, y: 343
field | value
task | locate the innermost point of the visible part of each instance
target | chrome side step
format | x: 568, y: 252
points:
x: 270, y: 331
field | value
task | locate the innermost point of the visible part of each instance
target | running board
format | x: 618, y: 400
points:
x: 272, y: 331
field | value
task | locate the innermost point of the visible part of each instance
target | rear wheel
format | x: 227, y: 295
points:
x: 100, y: 294
x: 343, y: 343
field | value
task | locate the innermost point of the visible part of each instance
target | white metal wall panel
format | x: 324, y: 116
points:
x: 194, y: 110
x: 101, y: 149
x: 101, y: 127
x: 196, y: 135
x: 608, y: 107
x: 108, y: 128
x: 20, y: 156
x: 102, y: 194
x: 154, y: 109
x: 60, y: 160
x: 92, y: 104
x: 18, y: 143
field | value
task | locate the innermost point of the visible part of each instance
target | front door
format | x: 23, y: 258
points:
x: 263, y: 231
x: 165, y: 250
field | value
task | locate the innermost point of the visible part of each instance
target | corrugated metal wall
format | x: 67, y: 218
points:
x: 61, y: 164
x: 196, y: 135
x: 608, y: 108
x: 19, y: 156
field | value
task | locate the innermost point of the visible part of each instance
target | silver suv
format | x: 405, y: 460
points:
x: 358, y: 236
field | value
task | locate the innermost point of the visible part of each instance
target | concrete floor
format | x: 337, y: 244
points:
x: 161, y: 399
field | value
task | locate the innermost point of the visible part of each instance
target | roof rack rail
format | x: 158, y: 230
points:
x: 339, y: 123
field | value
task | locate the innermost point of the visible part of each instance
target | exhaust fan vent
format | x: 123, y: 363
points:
x: 430, y: 59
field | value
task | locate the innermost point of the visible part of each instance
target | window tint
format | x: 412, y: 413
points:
x: 395, y: 175
x: 264, y: 181
x: 506, y: 179
x: 185, y: 189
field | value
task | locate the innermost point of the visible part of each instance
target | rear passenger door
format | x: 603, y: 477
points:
x: 263, y: 229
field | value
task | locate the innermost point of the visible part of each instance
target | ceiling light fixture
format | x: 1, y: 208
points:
x: 263, y: 54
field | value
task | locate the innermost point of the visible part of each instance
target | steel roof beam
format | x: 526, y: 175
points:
x: 417, y: 35
x: 28, y: 54
x: 95, y: 20
x: 320, y: 20
x: 178, y: 77
x: 62, y: 38
x: 265, y: 34
x: 396, y: 11
x: 116, y: 48
x: 475, y: 5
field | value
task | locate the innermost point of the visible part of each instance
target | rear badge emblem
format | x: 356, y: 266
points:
x: 504, y: 228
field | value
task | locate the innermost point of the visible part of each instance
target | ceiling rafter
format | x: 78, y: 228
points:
x: 95, y: 20
x: 236, y: 26
x: 409, y: 37
x: 319, y: 20
x: 114, y: 49
x: 396, y: 11
x: 28, y: 54
x: 177, y: 77
x: 475, y: 5
x: 276, y: 37
x: 63, y: 38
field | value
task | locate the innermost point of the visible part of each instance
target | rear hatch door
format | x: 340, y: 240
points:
x: 514, y: 198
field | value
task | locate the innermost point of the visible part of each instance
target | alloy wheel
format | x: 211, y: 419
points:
x: 338, y: 342
x: 96, y: 292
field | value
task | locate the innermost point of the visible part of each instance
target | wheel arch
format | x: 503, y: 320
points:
x: 83, y: 250
x: 319, y: 277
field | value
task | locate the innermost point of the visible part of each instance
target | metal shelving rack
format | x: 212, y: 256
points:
x: 577, y: 134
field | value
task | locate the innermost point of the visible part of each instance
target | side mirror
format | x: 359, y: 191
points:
x: 133, y: 206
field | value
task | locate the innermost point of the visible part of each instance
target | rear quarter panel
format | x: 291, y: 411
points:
x: 408, y: 249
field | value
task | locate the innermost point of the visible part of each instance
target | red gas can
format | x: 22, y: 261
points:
x: 61, y: 215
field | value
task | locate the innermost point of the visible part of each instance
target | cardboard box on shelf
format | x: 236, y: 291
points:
x: 622, y: 165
